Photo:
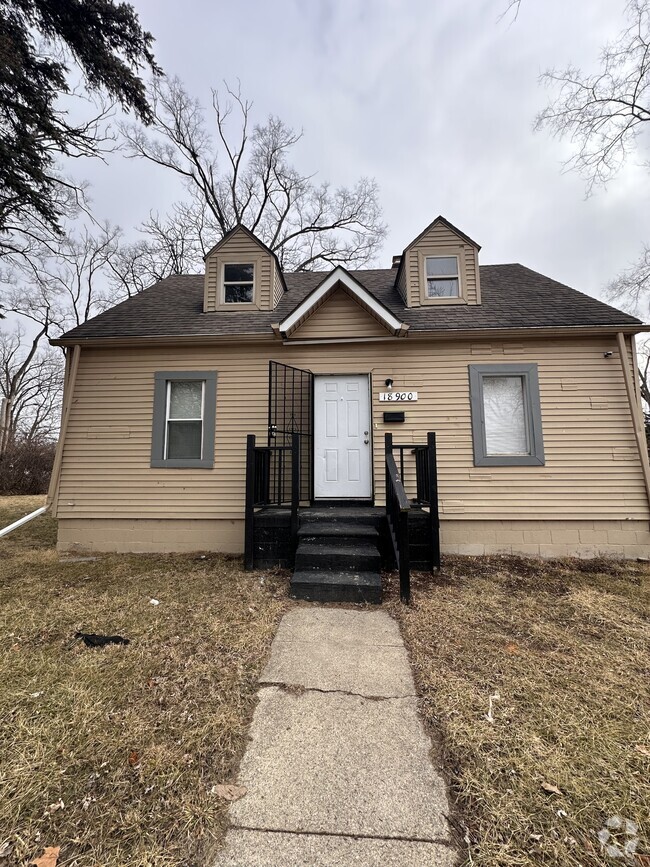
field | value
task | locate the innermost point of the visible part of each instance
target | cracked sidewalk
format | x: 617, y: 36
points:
x: 338, y: 769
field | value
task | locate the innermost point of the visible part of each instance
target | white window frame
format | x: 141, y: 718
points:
x: 169, y: 419
x: 455, y: 276
x: 224, y: 283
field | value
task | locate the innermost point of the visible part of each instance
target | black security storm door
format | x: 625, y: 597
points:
x: 290, y: 412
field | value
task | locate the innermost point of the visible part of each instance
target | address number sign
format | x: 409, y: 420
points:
x: 398, y: 396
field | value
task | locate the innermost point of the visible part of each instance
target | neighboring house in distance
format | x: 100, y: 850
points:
x: 530, y: 387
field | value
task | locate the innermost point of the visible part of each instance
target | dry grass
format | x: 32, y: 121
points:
x: 566, y: 646
x: 131, y: 739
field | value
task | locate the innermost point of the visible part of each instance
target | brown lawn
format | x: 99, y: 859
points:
x: 566, y: 646
x: 112, y: 753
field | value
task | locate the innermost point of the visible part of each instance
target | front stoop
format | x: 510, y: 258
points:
x: 337, y: 559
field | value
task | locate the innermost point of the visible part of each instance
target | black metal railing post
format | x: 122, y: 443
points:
x: 404, y: 560
x: 249, y: 510
x: 295, y: 488
x: 434, y: 512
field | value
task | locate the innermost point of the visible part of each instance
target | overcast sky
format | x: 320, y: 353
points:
x: 435, y: 99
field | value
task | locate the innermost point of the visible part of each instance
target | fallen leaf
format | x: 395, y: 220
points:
x: 59, y: 805
x: 552, y: 790
x: 134, y: 758
x: 49, y: 857
x: 643, y: 750
x: 512, y: 648
x: 228, y: 791
x: 642, y: 860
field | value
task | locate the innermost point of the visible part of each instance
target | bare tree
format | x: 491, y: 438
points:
x: 31, y: 387
x: 631, y: 289
x: 71, y: 281
x: 643, y: 351
x: 602, y: 113
x: 61, y: 282
x: 171, y: 245
x: 242, y: 175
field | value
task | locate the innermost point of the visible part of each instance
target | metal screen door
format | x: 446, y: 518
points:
x: 290, y: 411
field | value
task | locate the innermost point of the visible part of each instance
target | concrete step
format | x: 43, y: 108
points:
x: 362, y: 555
x: 336, y: 530
x: 328, y: 585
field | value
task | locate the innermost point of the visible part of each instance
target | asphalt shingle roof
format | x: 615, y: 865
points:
x: 512, y: 296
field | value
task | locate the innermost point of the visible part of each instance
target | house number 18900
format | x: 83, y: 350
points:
x: 394, y: 396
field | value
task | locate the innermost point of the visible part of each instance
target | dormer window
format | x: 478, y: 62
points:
x: 442, y: 277
x: 238, y: 283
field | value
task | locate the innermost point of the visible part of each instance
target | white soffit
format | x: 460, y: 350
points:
x: 340, y: 276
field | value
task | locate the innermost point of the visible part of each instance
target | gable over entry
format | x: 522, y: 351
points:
x: 341, y: 280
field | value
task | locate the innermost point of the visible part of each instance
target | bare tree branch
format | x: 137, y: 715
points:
x: 602, y: 114
x: 31, y: 385
x: 631, y: 289
x: 243, y: 175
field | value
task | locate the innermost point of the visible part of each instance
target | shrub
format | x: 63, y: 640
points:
x: 26, y: 467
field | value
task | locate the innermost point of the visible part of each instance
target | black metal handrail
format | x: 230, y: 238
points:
x: 267, y: 468
x: 426, y: 486
x: 397, y: 514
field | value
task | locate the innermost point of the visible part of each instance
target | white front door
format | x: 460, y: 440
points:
x: 342, y: 445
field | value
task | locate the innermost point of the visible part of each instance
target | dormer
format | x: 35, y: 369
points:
x: 439, y: 267
x: 241, y: 274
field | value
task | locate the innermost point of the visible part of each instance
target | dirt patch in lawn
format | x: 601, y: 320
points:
x: 112, y: 753
x: 563, y: 745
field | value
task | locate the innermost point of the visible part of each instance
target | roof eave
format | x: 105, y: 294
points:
x: 441, y: 333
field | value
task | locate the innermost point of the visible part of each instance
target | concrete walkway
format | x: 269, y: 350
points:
x: 338, y: 769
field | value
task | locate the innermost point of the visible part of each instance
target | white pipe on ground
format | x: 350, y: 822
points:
x: 24, y: 520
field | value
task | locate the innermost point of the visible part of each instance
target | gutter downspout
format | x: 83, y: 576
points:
x: 635, y: 410
x: 53, y: 491
x: 24, y: 520
x: 52, y: 494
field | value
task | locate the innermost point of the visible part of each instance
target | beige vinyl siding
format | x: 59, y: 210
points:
x: 440, y: 240
x: 340, y: 316
x: 592, y: 466
x: 278, y: 288
x: 240, y: 247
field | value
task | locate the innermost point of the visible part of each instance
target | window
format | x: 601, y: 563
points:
x: 183, y: 419
x: 238, y: 284
x: 442, y: 277
x: 506, y: 415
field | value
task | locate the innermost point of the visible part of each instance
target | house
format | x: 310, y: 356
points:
x: 528, y: 385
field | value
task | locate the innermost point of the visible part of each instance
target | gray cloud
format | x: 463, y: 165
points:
x: 434, y: 99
